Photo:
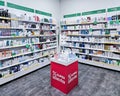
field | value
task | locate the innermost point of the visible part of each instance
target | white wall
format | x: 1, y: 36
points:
x: 60, y: 7
x: 50, y: 6
x: 76, y: 6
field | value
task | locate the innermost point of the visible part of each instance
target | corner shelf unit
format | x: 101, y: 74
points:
x: 94, y: 44
x: 25, y: 49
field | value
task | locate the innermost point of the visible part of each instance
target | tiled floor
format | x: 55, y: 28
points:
x: 93, y: 81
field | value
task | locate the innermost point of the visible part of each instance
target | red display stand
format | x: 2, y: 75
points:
x: 64, y: 76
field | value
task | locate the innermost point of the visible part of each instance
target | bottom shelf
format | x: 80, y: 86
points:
x: 21, y: 73
x: 100, y: 64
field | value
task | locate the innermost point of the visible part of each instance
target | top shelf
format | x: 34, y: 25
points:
x: 83, y: 23
x: 28, y: 21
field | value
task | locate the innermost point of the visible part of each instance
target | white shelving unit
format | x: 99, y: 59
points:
x: 23, y: 72
x: 38, y: 53
x: 100, y: 64
x: 98, y: 46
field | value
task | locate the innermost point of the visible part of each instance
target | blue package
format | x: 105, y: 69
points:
x: 17, y: 33
x: 74, y: 44
x: 50, y: 20
x: 65, y: 27
x: 78, y: 21
x: 109, y: 18
x: 118, y: 32
x: 0, y: 33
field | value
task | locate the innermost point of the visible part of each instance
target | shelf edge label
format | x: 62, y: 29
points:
x: 43, y: 13
x: 94, y: 12
x: 72, y: 15
x: 113, y: 9
x: 15, y: 6
x: 2, y: 3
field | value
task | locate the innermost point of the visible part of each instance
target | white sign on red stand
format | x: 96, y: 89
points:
x: 64, y: 77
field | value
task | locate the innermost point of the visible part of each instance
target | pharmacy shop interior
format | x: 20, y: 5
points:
x: 59, y: 47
